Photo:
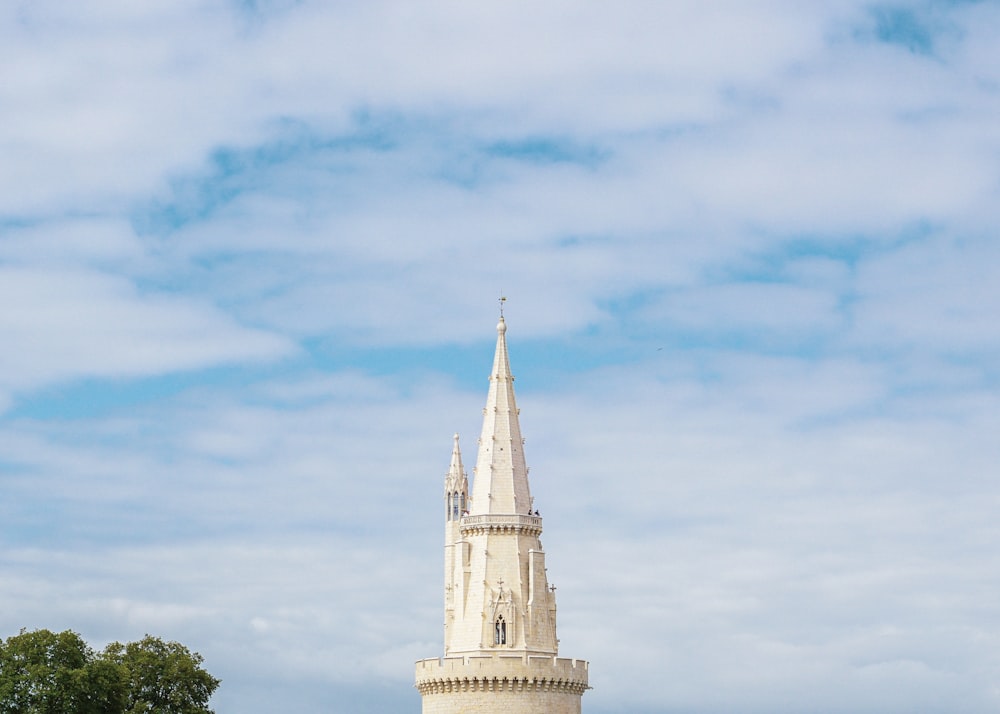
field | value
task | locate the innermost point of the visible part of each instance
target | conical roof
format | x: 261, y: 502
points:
x: 501, y: 476
x: 455, y: 478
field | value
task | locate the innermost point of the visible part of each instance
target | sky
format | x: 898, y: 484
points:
x: 250, y: 259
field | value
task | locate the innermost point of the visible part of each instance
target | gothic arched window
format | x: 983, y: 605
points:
x: 500, y: 631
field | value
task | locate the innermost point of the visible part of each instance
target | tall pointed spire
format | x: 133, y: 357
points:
x: 501, y: 476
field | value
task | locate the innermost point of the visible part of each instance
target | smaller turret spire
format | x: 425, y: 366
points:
x: 456, y: 457
x: 456, y: 485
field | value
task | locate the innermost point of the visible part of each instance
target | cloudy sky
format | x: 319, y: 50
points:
x: 250, y: 256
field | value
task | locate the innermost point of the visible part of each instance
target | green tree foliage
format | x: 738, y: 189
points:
x: 42, y: 672
x: 162, y: 677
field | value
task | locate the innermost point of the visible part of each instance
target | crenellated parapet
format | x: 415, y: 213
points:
x: 499, y: 673
x: 513, y: 524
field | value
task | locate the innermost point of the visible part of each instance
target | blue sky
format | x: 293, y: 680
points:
x: 250, y: 256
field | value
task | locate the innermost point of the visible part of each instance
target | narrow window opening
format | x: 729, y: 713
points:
x: 500, y: 631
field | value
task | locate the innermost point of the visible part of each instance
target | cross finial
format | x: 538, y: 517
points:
x: 502, y: 301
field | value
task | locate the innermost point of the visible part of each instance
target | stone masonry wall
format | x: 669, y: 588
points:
x: 508, y: 702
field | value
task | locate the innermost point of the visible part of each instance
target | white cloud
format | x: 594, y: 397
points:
x: 937, y: 292
x: 65, y: 323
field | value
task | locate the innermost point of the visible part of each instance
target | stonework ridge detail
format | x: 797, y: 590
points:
x: 500, y: 644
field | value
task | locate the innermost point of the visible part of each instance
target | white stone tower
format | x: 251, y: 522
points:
x: 500, y: 644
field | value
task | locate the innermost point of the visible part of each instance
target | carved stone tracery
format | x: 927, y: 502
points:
x: 502, y: 609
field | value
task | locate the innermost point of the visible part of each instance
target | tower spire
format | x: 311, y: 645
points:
x: 501, y: 475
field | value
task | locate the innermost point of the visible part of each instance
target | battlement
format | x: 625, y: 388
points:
x: 502, y: 672
x: 501, y: 523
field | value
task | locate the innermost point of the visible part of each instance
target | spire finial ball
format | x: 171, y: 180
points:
x: 501, y: 326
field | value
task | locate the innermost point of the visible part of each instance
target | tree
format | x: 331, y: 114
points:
x: 42, y: 672
x: 162, y: 677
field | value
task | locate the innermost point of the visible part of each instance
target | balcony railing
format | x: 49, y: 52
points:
x: 502, y: 520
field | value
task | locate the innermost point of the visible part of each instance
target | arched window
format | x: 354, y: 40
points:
x: 454, y: 506
x: 500, y: 631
